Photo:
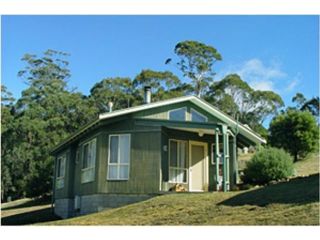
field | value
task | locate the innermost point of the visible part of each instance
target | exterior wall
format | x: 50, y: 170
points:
x: 145, y: 157
x: 88, y: 187
x: 98, y: 202
x: 64, y: 208
x: 62, y: 193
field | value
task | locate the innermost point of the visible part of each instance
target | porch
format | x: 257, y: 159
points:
x: 199, y: 157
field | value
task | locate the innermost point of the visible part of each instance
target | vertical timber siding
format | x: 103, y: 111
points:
x: 144, y: 171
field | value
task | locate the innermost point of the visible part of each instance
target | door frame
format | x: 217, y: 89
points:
x: 205, y: 170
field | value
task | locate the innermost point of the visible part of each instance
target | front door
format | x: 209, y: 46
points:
x: 198, y: 166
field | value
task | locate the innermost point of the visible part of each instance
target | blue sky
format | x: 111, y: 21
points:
x: 279, y: 53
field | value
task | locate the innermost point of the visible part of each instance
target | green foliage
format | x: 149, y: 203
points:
x: 45, y: 114
x: 312, y: 105
x: 268, y: 164
x: 295, y: 131
x: 164, y: 85
x: 196, y: 63
x: 117, y: 90
x: 235, y: 97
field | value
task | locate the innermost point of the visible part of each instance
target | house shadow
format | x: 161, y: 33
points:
x: 37, y: 216
x: 300, y: 190
x: 31, y: 203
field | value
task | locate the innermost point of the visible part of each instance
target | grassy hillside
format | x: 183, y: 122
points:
x: 288, y: 203
x: 310, y: 165
x: 291, y: 203
x: 26, y: 211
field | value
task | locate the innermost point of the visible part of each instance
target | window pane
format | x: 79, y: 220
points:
x: 124, y: 172
x: 93, y: 153
x: 89, y: 159
x: 197, y: 117
x: 113, y: 172
x: 172, y: 175
x: 62, y: 166
x: 114, y: 142
x: 179, y: 114
x: 181, y: 176
x: 85, y: 156
x: 182, y: 154
x: 124, y: 149
x: 178, y: 175
x: 58, y: 167
x: 173, y: 153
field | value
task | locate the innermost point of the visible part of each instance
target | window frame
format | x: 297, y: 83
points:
x: 202, y: 115
x: 118, y: 164
x: 176, y: 109
x: 88, y: 168
x: 186, y: 169
x: 60, y: 178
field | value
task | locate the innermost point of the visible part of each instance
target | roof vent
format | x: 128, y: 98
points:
x: 147, y: 94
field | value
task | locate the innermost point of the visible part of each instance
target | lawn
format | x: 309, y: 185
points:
x: 290, y: 203
x: 295, y: 202
x: 26, y: 211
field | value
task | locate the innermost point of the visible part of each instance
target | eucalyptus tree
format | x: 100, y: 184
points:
x: 235, y: 97
x: 7, y: 141
x: 196, y: 62
x: 46, y: 113
x: 164, y: 85
x: 312, y: 105
x: 117, y: 90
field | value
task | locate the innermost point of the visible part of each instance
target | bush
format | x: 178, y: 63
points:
x: 267, y: 165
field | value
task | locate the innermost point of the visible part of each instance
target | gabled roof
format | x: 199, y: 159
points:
x: 246, y: 131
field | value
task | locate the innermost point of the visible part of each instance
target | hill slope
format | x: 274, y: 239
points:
x: 290, y: 203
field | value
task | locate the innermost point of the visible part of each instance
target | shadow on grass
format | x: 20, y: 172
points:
x: 296, y: 191
x: 42, y: 215
x: 31, y: 203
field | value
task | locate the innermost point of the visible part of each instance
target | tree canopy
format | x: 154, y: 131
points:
x: 196, y: 61
x: 46, y: 113
x: 235, y: 97
x: 295, y: 131
x: 164, y: 84
x: 312, y: 105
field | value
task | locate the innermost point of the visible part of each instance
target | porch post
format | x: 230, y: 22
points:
x: 233, y: 166
x: 217, y: 158
x: 226, y: 177
x: 235, y: 159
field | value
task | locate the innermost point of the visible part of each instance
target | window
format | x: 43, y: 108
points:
x: 197, y: 117
x: 178, y: 114
x: 178, y: 161
x: 61, y: 168
x: 119, y: 157
x: 88, y: 161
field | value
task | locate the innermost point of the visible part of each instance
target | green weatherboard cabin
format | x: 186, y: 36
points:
x: 130, y: 155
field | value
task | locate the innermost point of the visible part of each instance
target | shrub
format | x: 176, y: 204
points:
x: 268, y: 164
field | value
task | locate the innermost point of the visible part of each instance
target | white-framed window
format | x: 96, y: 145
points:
x: 88, y: 161
x: 119, y: 157
x: 178, y: 155
x: 197, y: 117
x: 61, y: 169
x: 178, y: 114
x: 213, y: 153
